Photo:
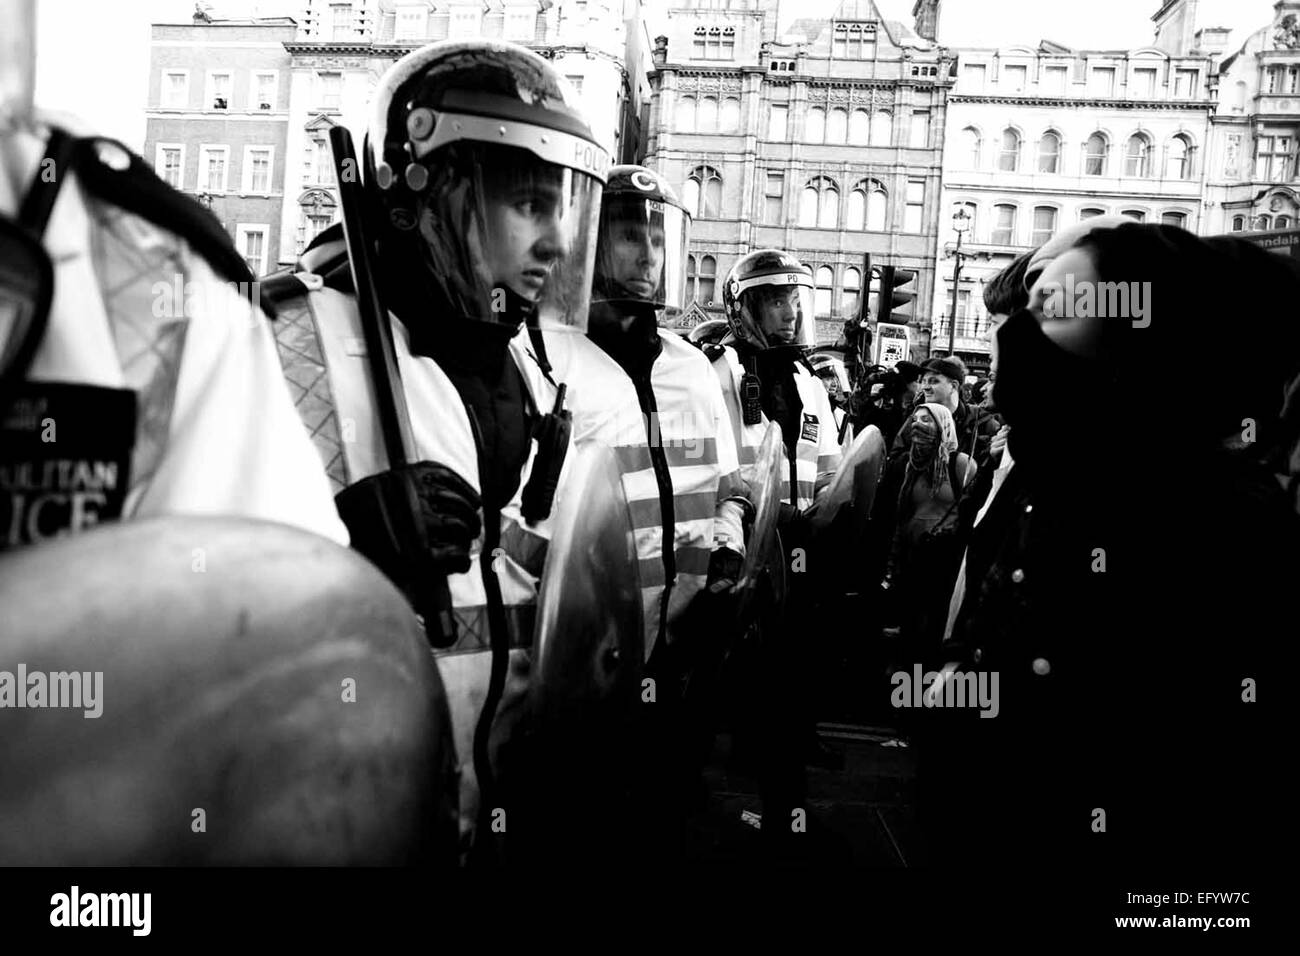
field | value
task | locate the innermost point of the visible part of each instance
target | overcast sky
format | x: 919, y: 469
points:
x: 93, y: 55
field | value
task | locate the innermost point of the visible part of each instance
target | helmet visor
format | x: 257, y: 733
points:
x: 503, y: 226
x: 777, y: 311
x: 641, y: 253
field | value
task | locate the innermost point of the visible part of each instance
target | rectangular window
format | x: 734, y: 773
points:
x: 1273, y: 158
x: 773, y: 193
x: 251, y: 242
x: 1004, y: 225
x: 1178, y: 219
x: 218, y: 91
x: 1054, y: 80
x: 1044, y: 225
x: 464, y: 23
x: 576, y: 80
x: 213, y: 168
x: 264, y: 89
x: 1273, y: 79
x: 411, y: 24
x: 1185, y: 84
x: 1103, y: 81
x: 257, y: 169
x: 919, y: 137
x: 972, y: 77
x: 521, y: 26
x: 1013, y: 78
x: 1293, y: 80
x: 331, y: 90
x: 341, y: 21
x: 176, y: 89
x: 777, y: 118
x: 912, y: 213
x: 1144, y: 84
x: 169, y: 163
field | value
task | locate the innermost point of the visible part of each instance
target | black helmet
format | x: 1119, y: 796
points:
x: 641, y: 251
x: 489, y: 178
x: 770, y: 279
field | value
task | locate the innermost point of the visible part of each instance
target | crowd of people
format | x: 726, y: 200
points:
x: 473, y: 353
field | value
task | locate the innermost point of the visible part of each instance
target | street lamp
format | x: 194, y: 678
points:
x: 960, y: 223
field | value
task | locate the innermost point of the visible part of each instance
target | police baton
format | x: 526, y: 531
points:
x: 433, y: 598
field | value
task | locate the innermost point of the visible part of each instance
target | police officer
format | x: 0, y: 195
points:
x: 764, y: 374
x: 485, y: 179
x: 649, y: 394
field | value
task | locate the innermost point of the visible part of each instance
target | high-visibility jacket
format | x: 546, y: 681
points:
x: 143, y: 327
x: 816, y: 453
x: 677, y: 456
x: 323, y: 350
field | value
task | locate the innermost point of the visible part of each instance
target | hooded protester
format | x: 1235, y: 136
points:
x: 926, y: 545
x: 1127, y: 636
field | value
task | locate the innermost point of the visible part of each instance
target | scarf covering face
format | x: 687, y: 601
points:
x: 936, y: 462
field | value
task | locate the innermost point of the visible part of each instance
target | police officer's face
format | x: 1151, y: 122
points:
x: 636, y: 254
x: 777, y: 313
x: 525, y: 237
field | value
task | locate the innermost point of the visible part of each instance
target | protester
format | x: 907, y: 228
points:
x: 1128, y: 636
x: 927, y: 537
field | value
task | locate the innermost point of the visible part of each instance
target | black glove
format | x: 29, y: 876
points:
x: 794, y: 526
x: 724, y: 570
x: 412, y: 521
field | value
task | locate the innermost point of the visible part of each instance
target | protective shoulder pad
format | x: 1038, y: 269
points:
x: 113, y: 174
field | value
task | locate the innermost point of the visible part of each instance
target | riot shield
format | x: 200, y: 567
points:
x: 854, y: 485
x: 589, y: 642
x: 214, y: 691
x: 577, y: 759
x: 762, y: 554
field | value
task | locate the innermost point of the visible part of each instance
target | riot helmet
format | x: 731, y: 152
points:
x: 489, y: 179
x: 768, y: 298
x: 641, y: 249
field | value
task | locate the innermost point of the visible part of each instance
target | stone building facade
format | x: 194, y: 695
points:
x: 825, y: 141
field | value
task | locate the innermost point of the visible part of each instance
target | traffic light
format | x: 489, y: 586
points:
x: 892, y: 296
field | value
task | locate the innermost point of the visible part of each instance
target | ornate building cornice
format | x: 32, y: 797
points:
x: 1085, y: 103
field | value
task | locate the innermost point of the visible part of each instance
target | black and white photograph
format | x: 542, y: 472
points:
x: 537, y: 449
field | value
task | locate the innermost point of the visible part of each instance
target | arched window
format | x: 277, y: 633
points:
x: 1178, y: 159
x: 970, y: 147
x: 1263, y: 222
x: 1137, y: 156
x: 1137, y: 215
x: 1238, y: 223
x: 837, y: 127
x: 849, y: 297
x: 882, y: 128
x: 867, y: 206
x: 706, y: 121
x: 702, y: 193
x: 1090, y: 212
x: 1009, y: 155
x: 686, y: 115
x: 823, y: 292
x: 1178, y: 219
x: 819, y: 204
x: 815, y: 131
x: 1094, y: 155
x: 1282, y: 222
x: 860, y: 128
x: 731, y: 115
x: 1049, y: 153
x: 1044, y: 225
x: 1004, y: 225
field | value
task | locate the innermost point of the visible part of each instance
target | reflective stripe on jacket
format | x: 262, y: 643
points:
x: 692, y: 431
x: 817, y: 451
x: 323, y: 350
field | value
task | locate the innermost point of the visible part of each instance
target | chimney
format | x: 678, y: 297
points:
x: 925, y: 16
